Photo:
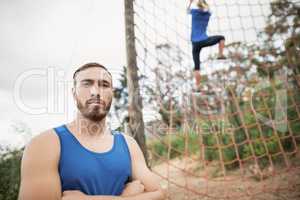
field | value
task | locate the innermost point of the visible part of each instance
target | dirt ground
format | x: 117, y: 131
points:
x: 187, y: 179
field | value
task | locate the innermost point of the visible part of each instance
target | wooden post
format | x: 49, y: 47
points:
x: 135, y: 106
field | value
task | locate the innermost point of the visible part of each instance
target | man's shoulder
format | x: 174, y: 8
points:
x: 131, y: 142
x: 129, y: 139
x: 47, y: 136
x: 46, y: 142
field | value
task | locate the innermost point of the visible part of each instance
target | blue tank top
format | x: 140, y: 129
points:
x: 90, y: 172
x: 200, y: 20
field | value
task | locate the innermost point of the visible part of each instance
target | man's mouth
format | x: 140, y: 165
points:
x: 97, y: 102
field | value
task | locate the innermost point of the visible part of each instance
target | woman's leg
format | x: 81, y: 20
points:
x: 212, y: 40
x: 196, y: 59
x: 196, y: 55
x: 197, y: 77
x: 221, y: 49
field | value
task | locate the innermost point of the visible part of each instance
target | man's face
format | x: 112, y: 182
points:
x: 93, y: 93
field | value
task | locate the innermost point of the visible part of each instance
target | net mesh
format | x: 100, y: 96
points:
x: 239, y: 138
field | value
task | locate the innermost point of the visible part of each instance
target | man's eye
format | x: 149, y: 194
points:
x: 104, y: 85
x: 86, y: 83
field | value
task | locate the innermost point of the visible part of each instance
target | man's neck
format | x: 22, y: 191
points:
x: 84, y: 126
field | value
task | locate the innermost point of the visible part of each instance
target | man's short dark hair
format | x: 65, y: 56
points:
x: 89, y: 65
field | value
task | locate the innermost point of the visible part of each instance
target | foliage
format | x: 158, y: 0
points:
x: 10, y: 163
x: 167, y: 88
x: 243, y: 143
x: 179, y: 144
x: 121, y: 97
x: 278, y: 46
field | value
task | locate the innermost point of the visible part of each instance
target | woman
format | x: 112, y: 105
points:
x: 199, y: 38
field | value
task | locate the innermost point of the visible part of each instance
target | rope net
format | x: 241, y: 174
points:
x: 239, y: 138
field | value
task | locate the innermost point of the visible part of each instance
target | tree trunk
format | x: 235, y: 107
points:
x: 135, y: 106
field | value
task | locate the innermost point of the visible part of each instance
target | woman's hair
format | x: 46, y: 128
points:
x: 202, y: 4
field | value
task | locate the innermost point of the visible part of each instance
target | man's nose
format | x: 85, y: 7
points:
x: 95, y: 91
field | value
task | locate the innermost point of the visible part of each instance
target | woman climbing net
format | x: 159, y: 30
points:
x: 199, y: 37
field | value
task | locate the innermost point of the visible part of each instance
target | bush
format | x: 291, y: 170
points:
x: 178, y: 141
x: 10, y: 163
x: 251, y: 136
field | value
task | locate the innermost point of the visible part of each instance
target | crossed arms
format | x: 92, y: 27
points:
x: 40, y: 178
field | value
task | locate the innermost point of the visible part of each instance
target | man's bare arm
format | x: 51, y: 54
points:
x: 145, y: 196
x: 141, y: 172
x: 39, y: 169
x: 77, y: 195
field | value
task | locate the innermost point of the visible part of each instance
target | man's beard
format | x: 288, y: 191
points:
x: 94, y: 113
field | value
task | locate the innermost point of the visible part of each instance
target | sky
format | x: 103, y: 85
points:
x: 43, y: 42
x: 39, y: 38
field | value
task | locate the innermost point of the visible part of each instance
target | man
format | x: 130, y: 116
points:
x: 83, y: 160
